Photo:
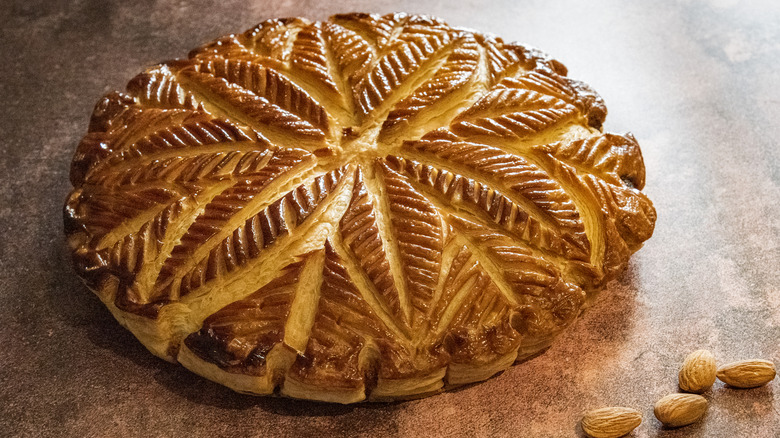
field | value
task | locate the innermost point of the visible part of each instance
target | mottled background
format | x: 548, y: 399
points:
x: 696, y: 81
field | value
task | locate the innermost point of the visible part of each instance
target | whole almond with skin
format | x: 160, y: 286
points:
x: 698, y: 372
x: 677, y: 410
x: 747, y: 373
x: 610, y: 422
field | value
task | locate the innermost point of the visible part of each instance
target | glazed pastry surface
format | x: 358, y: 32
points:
x: 364, y: 208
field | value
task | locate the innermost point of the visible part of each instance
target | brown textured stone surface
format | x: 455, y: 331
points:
x: 697, y: 83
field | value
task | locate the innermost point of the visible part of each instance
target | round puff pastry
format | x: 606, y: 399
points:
x: 365, y: 208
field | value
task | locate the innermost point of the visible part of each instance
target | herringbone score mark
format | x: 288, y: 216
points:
x: 371, y: 207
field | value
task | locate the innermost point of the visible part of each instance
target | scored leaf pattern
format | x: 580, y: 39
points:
x: 367, y: 207
x: 415, y: 46
x: 474, y: 313
x: 268, y: 84
x: 251, y: 326
x: 344, y: 325
x: 461, y: 66
x: 417, y: 227
x: 360, y: 232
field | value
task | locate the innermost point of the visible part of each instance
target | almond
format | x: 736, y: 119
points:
x: 747, y: 373
x: 677, y: 410
x: 698, y: 372
x: 610, y: 422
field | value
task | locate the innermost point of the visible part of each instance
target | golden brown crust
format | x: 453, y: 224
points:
x: 370, y: 207
x: 239, y: 336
